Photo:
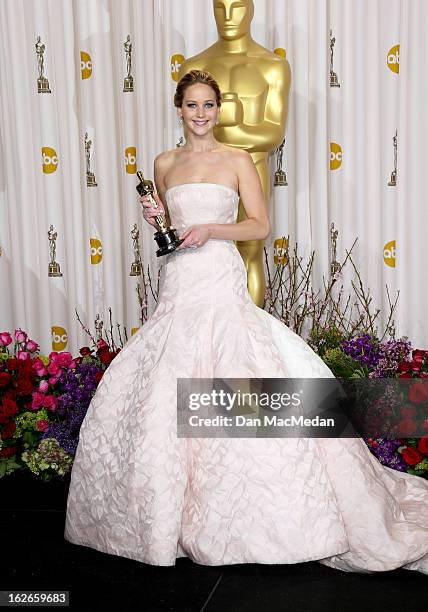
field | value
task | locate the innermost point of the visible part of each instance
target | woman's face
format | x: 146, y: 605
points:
x: 199, y: 109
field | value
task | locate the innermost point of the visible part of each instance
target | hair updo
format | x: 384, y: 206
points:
x: 192, y: 77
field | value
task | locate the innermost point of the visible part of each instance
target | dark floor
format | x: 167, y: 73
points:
x: 34, y: 555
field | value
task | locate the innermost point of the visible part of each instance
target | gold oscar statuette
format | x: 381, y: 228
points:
x: 255, y: 84
x: 166, y: 238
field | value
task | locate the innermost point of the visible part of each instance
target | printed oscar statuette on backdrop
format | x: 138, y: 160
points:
x: 166, y: 238
x: 280, y: 176
x: 42, y: 81
x: 90, y: 176
x: 53, y: 269
x: 128, y: 82
x: 393, y: 180
x: 333, y: 76
x: 136, y: 265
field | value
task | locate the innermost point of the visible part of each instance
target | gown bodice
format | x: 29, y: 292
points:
x: 194, y: 203
x: 214, y: 274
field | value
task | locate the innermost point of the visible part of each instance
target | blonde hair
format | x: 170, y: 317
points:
x: 192, y: 77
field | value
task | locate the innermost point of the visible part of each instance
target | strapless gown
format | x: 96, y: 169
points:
x: 140, y: 492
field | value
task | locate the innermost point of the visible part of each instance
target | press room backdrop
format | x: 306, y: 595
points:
x: 338, y: 156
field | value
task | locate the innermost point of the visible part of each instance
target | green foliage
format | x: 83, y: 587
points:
x: 322, y: 339
x: 341, y: 364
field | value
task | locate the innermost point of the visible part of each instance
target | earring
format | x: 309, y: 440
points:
x: 180, y: 120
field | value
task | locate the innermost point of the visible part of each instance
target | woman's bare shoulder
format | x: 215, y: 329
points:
x: 235, y: 153
x: 165, y: 158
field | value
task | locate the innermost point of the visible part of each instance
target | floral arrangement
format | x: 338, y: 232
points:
x: 363, y: 355
x: 44, y: 399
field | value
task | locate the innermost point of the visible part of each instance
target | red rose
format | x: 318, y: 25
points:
x: 411, y: 456
x: 5, y: 379
x: 8, y: 430
x: 24, y: 366
x: 12, y: 363
x: 408, y: 412
x: 98, y: 376
x: 405, y: 375
x: 9, y: 406
x: 8, y: 451
x: 423, y: 445
x: 105, y: 357
x: 404, y: 366
x: 418, y: 393
x: 418, y: 353
x: 85, y: 351
x: 24, y: 386
x: 10, y: 394
x: 406, y: 427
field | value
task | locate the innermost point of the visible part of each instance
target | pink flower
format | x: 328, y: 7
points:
x: 41, y: 371
x: 42, y: 425
x: 32, y: 346
x: 73, y: 364
x: 38, y: 399
x: 53, y: 380
x: 49, y: 402
x: 43, y: 386
x: 20, y: 336
x: 64, y: 359
x: 5, y: 338
x: 54, y: 369
x: 23, y: 355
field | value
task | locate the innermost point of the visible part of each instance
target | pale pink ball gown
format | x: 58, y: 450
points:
x: 140, y: 492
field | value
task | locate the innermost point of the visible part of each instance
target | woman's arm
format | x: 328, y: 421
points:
x: 256, y: 226
x: 160, y: 167
x: 150, y: 213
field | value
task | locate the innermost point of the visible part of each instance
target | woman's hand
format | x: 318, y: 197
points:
x: 149, y: 211
x: 195, y: 236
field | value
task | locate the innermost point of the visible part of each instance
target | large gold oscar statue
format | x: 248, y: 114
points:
x: 255, y: 85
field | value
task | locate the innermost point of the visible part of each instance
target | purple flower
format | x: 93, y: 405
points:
x: 363, y: 349
x: 77, y: 387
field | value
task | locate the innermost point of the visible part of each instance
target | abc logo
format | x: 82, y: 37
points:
x: 389, y: 253
x: 59, y: 338
x: 281, y: 52
x: 176, y: 61
x: 335, y: 156
x: 280, y: 251
x: 96, y: 250
x: 134, y: 330
x: 131, y: 160
x: 50, y: 160
x: 393, y: 58
x: 85, y: 64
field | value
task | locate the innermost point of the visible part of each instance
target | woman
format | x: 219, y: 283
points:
x: 139, y: 491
